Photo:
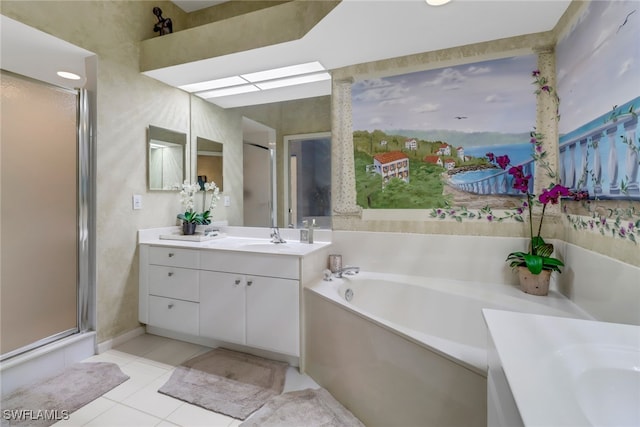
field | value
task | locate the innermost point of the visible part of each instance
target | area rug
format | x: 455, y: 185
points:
x: 226, y: 381
x: 45, y: 403
x: 309, y: 408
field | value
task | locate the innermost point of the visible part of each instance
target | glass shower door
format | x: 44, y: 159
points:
x: 38, y: 215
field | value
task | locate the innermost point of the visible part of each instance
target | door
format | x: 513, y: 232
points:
x: 39, y: 215
x: 222, y: 306
x: 257, y: 186
x: 273, y: 314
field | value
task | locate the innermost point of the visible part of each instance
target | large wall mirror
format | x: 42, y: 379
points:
x: 209, y: 162
x: 166, y: 160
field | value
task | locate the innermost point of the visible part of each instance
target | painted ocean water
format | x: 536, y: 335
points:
x: 518, y: 153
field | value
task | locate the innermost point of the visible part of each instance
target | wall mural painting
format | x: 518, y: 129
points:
x: 598, y: 69
x: 598, y: 80
x: 421, y: 139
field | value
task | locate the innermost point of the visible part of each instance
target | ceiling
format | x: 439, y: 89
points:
x: 356, y: 31
x: 359, y: 31
x: 39, y: 55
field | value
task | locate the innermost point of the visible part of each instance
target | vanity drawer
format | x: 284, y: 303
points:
x: 283, y: 266
x: 174, y: 282
x: 175, y: 257
x: 174, y: 314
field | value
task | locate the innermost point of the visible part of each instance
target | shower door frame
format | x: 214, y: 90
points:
x: 85, y: 215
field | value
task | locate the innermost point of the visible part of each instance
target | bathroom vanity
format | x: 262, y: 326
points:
x: 237, y: 289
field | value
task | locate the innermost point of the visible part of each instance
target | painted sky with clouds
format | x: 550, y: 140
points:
x: 495, y: 96
x: 602, y: 47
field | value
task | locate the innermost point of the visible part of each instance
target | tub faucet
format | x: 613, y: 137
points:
x: 275, y: 236
x: 349, y: 270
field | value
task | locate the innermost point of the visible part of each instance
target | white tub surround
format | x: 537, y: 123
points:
x: 240, y: 290
x: 608, y: 289
x: 424, y: 338
x: 546, y: 371
x: 443, y: 315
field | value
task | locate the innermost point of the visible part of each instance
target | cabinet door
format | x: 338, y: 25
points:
x: 222, y: 306
x: 273, y: 314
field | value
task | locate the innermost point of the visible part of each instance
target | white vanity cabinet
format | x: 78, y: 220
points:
x: 251, y: 299
x: 256, y: 311
x: 246, y: 298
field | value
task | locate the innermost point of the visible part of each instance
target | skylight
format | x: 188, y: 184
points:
x: 262, y: 80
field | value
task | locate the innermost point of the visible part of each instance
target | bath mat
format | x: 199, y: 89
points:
x: 45, y: 403
x: 226, y: 381
x: 309, y: 408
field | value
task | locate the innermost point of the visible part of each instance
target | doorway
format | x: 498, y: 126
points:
x: 308, y: 179
x: 259, y: 177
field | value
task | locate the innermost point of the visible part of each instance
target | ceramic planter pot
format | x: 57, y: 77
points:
x: 188, y: 228
x: 534, y: 284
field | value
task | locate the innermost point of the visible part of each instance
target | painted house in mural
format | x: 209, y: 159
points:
x: 449, y: 164
x: 444, y: 150
x: 394, y: 164
x: 411, y: 144
x: 460, y: 153
x: 434, y: 160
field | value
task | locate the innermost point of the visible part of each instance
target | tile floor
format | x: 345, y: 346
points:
x: 149, y: 361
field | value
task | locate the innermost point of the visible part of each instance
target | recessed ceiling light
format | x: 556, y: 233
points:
x: 277, y: 73
x: 296, y: 80
x: 437, y: 2
x: 68, y: 75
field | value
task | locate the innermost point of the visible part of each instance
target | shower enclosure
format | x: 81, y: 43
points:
x: 44, y: 221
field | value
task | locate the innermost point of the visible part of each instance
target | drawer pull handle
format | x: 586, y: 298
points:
x: 171, y: 254
x: 249, y: 282
x: 237, y: 282
x: 170, y: 306
x: 170, y: 274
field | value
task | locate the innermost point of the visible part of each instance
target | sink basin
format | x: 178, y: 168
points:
x: 569, y: 372
x: 604, y: 380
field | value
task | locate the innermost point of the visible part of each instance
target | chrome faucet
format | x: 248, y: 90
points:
x: 349, y: 270
x: 275, y: 236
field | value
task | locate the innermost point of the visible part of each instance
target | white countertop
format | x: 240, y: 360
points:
x: 240, y: 239
x: 569, y: 372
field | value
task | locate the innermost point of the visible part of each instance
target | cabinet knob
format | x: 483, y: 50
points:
x: 170, y: 306
x: 170, y: 273
x: 171, y: 254
x: 237, y: 282
x: 249, y: 282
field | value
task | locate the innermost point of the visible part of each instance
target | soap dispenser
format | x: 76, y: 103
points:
x: 304, y: 232
x: 310, y: 232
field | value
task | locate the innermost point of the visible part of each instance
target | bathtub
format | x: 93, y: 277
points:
x: 419, y: 336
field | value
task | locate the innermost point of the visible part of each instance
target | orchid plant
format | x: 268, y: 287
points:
x: 539, y: 256
x: 187, y: 194
x: 215, y: 196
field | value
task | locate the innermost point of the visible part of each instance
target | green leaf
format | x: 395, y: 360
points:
x: 544, y: 250
x: 534, y: 263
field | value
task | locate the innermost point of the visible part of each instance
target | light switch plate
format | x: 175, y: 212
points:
x: 227, y: 201
x: 137, y: 201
